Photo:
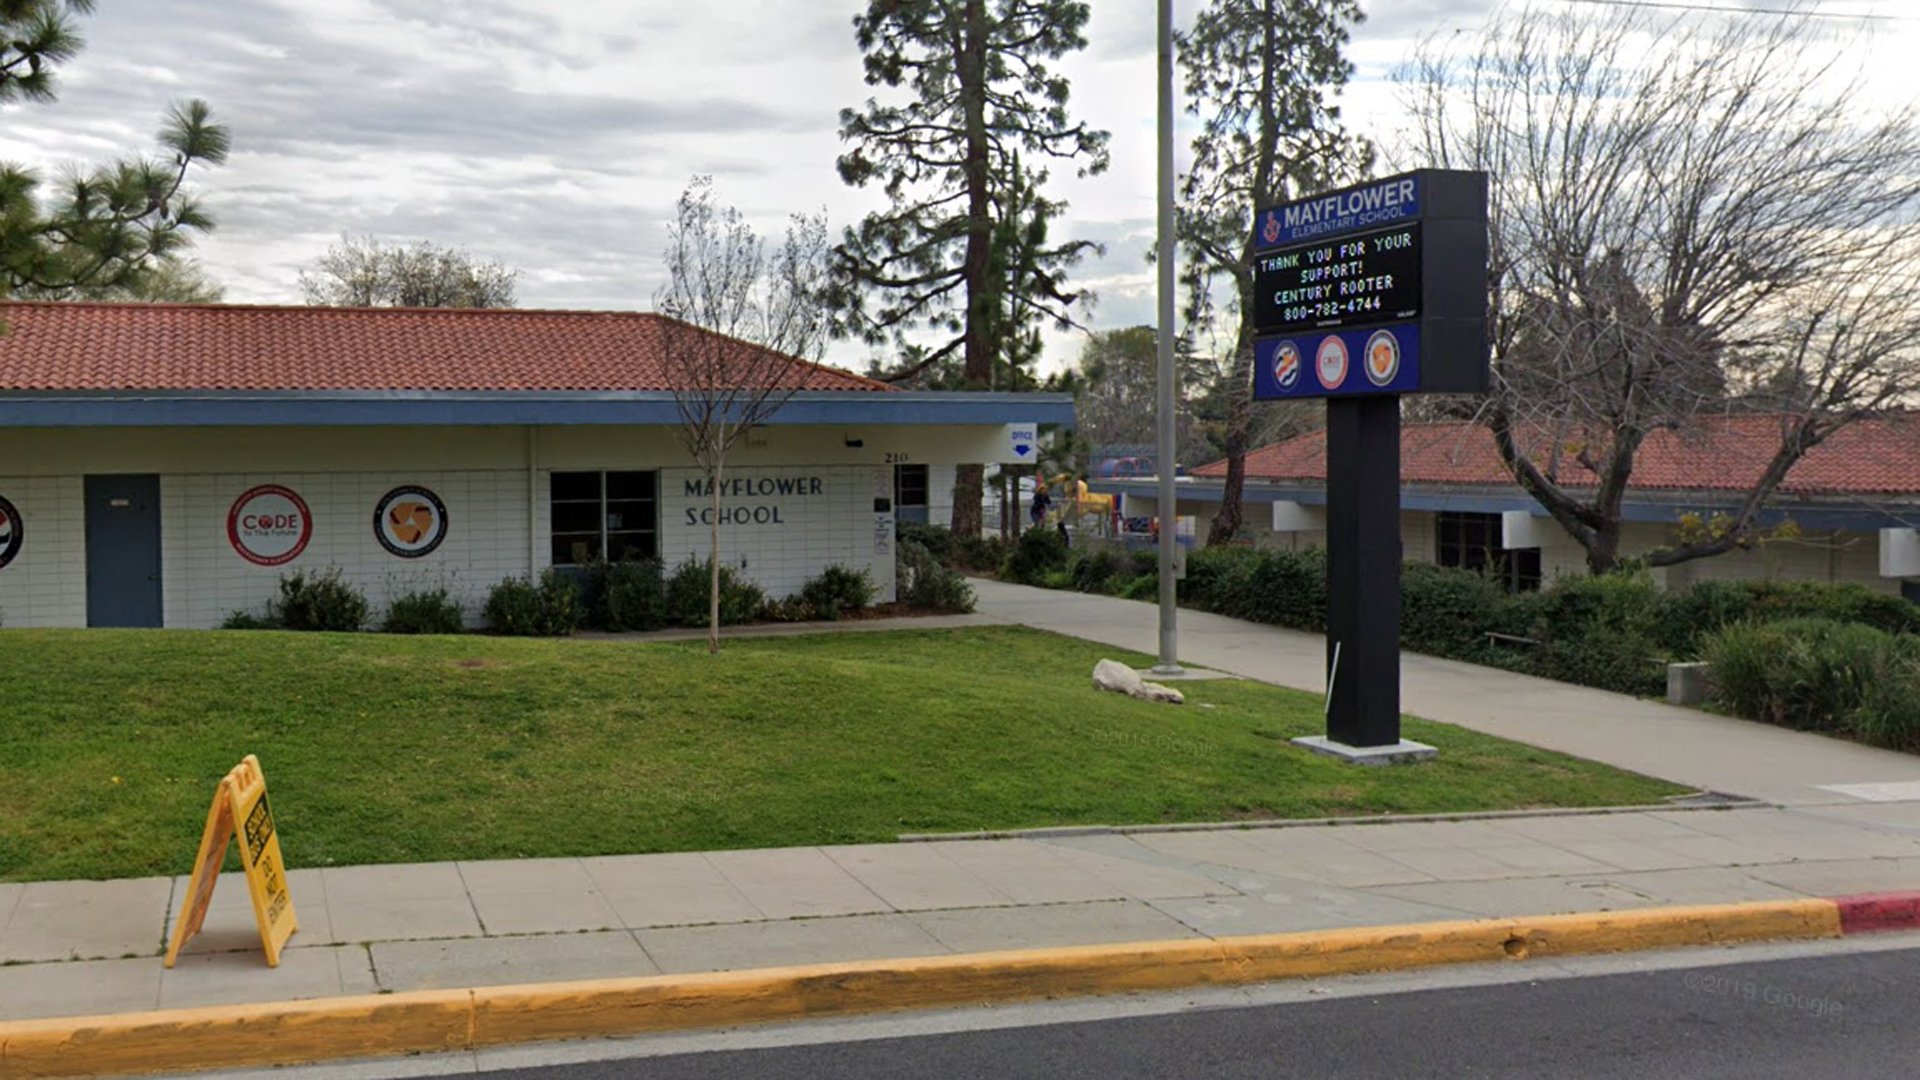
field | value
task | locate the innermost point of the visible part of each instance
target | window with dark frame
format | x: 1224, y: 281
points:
x: 909, y: 485
x: 604, y: 515
x: 1472, y: 542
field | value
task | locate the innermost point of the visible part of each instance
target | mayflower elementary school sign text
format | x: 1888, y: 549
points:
x: 1375, y: 289
x: 760, y: 487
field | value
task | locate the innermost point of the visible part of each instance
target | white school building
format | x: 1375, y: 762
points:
x: 165, y: 465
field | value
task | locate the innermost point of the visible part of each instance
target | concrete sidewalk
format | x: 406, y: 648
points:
x: 1712, y: 753
x: 84, y: 948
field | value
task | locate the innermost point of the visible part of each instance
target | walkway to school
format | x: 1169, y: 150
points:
x: 1712, y: 753
x: 1846, y: 820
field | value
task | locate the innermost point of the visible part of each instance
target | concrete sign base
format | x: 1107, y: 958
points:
x: 1397, y: 753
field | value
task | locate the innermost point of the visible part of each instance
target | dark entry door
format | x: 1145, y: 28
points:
x: 123, y: 551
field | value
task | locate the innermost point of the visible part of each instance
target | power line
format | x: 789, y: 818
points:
x: 1675, y: 5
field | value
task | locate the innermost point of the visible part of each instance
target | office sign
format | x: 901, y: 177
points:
x: 1380, y: 288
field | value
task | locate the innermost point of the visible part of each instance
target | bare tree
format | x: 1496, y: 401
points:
x: 1691, y: 219
x: 363, y: 272
x: 743, y: 333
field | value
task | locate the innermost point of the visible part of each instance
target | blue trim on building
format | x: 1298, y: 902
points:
x: 412, y: 408
x: 1807, y: 515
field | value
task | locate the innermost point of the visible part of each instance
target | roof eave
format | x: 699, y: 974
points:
x: 367, y: 408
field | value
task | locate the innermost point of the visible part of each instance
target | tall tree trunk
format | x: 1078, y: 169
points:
x: 981, y: 294
x: 1240, y: 409
x: 713, y: 562
x: 1007, y: 521
x: 1227, y: 521
x: 1603, y: 548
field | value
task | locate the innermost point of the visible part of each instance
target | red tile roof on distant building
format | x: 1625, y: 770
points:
x: 51, y: 346
x: 1879, y: 456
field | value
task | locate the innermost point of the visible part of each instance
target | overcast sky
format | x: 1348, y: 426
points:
x: 554, y: 137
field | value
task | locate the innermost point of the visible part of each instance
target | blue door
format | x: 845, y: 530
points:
x: 123, y: 551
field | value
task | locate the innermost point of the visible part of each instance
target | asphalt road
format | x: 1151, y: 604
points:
x: 1826, y: 1016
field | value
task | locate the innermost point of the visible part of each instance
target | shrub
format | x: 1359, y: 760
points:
x: 319, y: 602
x: 689, y: 591
x: 789, y: 609
x: 837, y: 590
x: 633, y: 597
x: 1145, y: 561
x: 519, y: 607
x: 1216, y: 577
x: 1281, y: 588
x: 980, y: 554
x: 247, y: 620
x: 1889, y: 715
x: 1604, y: 632
x: 1098, y: 570
x: 428, y: 612
x: 1037, y: 553
x: 1448, y: 612
x: 937, y: 539
x: 1145, y: 587
x: 1693, y: 614
x: 1812, y: 673
x: 1288, y: 588
x: 925, y: 584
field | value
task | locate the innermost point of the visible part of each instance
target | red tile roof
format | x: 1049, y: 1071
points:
x: 90, y: 346
x: 1880, y: 456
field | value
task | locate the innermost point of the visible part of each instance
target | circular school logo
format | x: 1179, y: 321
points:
x: 269, y: 525
x: 1286, y: 365
x: 12, y: 532
x: 1330, y: 362
x: 410, y: 521
x: 1383, y: 357
x: 1270, y: 232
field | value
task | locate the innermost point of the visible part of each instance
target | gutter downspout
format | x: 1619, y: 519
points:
x: 533, y: 501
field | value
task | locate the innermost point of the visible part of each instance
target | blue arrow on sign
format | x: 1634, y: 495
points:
x: 1023, y: 449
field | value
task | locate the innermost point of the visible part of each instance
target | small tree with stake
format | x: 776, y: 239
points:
x: 743, y: 333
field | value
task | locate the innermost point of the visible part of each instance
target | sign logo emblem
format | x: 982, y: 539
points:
x: 1331, y: 361
x: 269, y: 525
x: 1270, y: 232
x: 1286, y: 365
x: 13, y: 532
x: 1383, y: 357
x: 410, y: 521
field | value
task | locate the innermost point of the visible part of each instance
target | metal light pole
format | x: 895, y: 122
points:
x: 1169, y: 503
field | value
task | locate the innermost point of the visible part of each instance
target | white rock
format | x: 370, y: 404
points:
x: 1117, y: 677
x: 1121, y: 679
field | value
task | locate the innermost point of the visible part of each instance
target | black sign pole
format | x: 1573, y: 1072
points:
x: 1363, y: 571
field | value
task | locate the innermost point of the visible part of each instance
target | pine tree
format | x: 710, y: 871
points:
x: 103, y: 228
x: 1259, y: 74
x: 963, y: 252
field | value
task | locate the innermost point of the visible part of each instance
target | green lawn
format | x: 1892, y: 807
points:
x: 387, y: 749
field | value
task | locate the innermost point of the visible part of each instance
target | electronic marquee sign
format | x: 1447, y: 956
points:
x: 1380, y: 288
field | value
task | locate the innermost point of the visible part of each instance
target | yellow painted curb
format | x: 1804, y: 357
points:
x: 427, y: 1021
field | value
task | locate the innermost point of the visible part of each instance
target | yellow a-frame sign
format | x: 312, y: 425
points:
x: 240, y: 808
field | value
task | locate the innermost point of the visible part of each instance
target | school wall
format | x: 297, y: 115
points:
x: 495, y: 483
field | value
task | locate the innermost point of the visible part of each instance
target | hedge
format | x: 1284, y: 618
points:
x: 1616, y: 632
